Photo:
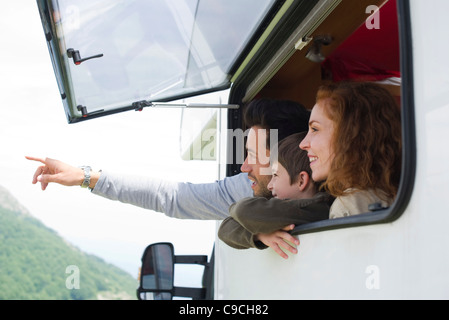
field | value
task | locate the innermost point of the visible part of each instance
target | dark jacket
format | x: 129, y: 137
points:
x: 251, y: 216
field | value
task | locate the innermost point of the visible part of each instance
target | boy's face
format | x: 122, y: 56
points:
x: 280, y: 185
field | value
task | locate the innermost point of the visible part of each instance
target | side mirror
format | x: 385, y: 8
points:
x: 157, y: 274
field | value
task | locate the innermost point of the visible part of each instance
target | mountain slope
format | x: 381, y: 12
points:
x: 36, y: 263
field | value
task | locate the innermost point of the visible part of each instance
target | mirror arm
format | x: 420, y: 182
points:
x: 194, y: 293
x: 202, y: 259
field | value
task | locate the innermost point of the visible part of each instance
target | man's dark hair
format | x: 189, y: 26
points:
x: 286, y: 116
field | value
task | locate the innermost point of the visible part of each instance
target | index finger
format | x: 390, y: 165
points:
x: 42, y: 160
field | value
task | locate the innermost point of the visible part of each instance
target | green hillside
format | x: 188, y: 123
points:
x: 36, y: 263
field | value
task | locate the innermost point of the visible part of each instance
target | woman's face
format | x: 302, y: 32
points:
x: 318, y: 142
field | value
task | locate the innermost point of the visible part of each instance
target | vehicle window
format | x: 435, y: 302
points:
x: 363, y: 47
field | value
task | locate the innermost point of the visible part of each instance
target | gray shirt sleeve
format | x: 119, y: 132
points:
x: 206, y: 201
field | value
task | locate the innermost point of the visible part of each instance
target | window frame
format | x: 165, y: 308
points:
x: 408, y: 141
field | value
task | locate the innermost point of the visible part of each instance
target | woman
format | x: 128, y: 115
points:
x: 354, y: 146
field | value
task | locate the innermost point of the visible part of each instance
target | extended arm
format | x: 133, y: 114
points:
x: 208, y: 201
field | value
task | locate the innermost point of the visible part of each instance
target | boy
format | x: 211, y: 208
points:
x: 256, y: 222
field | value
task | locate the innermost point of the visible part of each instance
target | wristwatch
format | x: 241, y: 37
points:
x: 86, y: 181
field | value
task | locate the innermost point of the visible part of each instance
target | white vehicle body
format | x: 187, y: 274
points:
x: 407, y: 258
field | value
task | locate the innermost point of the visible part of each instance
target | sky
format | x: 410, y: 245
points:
x: 32, y: 122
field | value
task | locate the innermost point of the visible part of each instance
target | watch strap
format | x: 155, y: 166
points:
x: 86, y: 181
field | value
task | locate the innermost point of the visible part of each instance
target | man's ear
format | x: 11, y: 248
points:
x: 303, y: 180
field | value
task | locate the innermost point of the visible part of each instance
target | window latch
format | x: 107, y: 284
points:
x: 75, y: 55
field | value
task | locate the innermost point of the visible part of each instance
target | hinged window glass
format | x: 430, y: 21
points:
x: 109, y: 54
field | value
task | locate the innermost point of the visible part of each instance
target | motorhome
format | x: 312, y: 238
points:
x: 104, y: 51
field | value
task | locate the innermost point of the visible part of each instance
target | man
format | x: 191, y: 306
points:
x: 209, y: 201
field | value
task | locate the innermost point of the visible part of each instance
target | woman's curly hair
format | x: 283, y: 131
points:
x: 367, y: 138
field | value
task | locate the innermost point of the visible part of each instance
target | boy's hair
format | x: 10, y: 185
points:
x: 293, y: 158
